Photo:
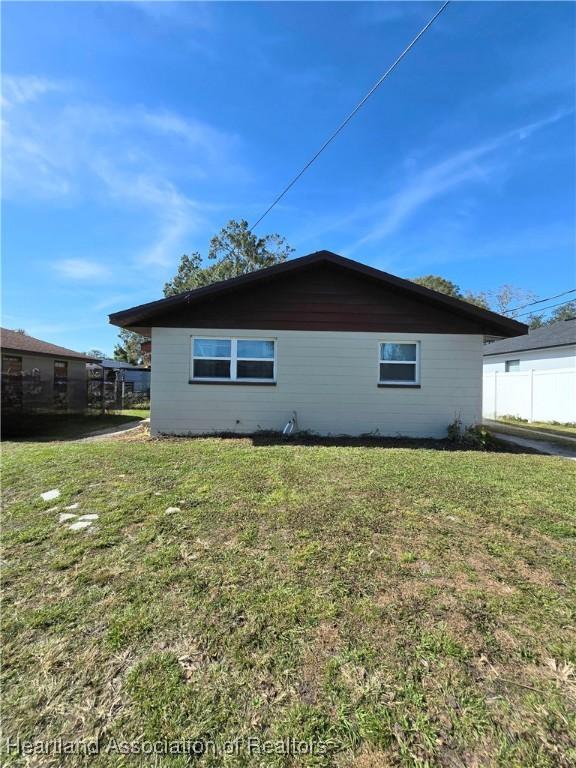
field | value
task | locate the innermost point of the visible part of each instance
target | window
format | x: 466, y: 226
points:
x: 60, y: 383
x: 11, y: 382
x: 399, y: 363
x: 233, y: 360
x: 512, y: 365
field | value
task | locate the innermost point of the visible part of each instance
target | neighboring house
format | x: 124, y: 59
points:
x: 534, y: 376
x: 39, y: 376
x: 136, y: 378
x: 346, y: 348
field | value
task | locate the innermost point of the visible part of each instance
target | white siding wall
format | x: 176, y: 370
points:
x: 543, y: 389
x: 536, y: 359
x: 328, y: 378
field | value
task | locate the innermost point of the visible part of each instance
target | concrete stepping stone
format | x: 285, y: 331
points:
x: 80, y: 524
x: 49, y: 495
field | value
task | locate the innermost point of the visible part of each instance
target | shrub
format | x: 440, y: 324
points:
x: 473, y: 436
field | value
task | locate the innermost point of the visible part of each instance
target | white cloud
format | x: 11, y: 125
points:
x: 20, y: 89
x: 134, y: 159
x: 473, y: 165
x: 175, y: 213
x: 81, y: 269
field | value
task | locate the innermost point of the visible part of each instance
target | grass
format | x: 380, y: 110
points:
x: 64, y: 426
x: 551, y: 427
x: 397, y: 607
x: 137, y: 413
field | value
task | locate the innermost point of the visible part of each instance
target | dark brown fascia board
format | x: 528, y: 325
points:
x: 145, y: 312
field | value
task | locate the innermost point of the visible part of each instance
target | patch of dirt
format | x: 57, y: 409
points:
x: 533, y: 574
x: 140, y: 434
x: 403, y: 592
x: 484, y: 568
x: 325, y: 644
x: 369, y: 758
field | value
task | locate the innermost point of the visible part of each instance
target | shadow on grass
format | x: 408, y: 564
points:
x: 47, y: 427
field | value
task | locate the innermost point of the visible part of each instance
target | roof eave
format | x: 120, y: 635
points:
x: 35, y: 353
x: 529, y: 349
x: 493, y: 323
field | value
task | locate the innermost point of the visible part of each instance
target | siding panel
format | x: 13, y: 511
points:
x: 328, y: 378
x: 321, y: 297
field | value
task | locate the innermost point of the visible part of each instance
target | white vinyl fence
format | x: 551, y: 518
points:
x: 545, y: 395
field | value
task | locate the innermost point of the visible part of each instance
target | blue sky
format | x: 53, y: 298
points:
x: 134, y: 131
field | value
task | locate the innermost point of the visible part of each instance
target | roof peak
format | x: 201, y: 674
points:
x: 141, y: 316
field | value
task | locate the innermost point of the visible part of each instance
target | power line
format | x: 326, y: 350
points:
x: 541, y: 301
x: 552, y: 306
x: 345, y: 122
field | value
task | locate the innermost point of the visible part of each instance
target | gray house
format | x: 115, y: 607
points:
x: 134, y: 378
x: 39, y: 376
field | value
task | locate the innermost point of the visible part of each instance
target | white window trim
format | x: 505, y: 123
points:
x: 233, y: 359
x: 396, y: 383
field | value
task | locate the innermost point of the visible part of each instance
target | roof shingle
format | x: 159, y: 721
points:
x: 555, y: 335
x: 21, y: 342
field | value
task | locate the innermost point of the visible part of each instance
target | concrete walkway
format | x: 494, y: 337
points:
x: 128, y: 426
x: 543, y: 442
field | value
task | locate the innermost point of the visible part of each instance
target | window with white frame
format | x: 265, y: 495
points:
x: 511, y: 366
x: 233, y: 359
x: 399, y: 363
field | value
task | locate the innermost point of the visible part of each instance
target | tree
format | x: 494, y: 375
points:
x: 480, y: 299
x: 567, y: 312
x: 234, y: 251
x: 191, y: 274
x: 507, y: 295
x: 440, y: 284
x: 536, y: 320
x: 129, y: 349
x: 96, y: 353
x: 499, y: 300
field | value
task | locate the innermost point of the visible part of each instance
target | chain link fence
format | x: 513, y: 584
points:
x: 108, y: 392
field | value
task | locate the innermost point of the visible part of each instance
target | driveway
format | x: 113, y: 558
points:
x: 543, y: 442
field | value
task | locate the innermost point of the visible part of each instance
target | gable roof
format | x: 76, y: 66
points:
x: 21, y: 342
x: 556, y: 335
x: 142, y: 317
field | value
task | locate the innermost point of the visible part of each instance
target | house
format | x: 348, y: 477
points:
x: 133, y: 378
x: 533, y: 377
x: 39, y: 376
x: 115, y: 384
x: 332, y: 344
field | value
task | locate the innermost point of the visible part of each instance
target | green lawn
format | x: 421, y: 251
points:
x: 553, y: 428
x: 398, y: 606
x: 137, y: 413
x: 64, y: 426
